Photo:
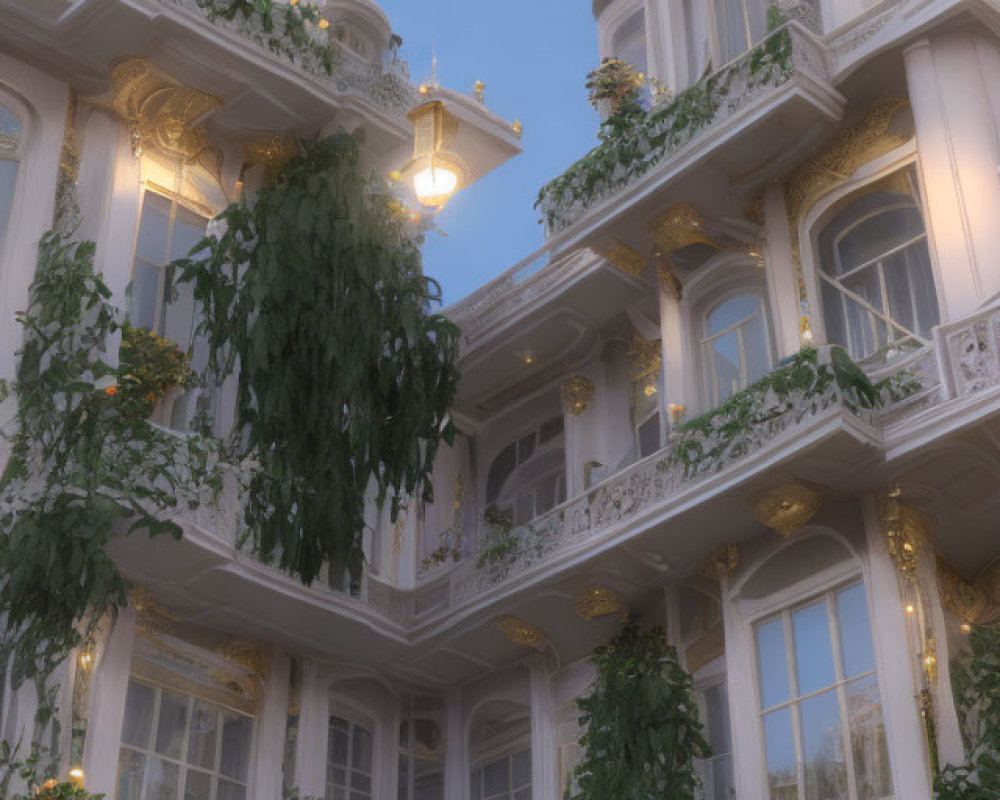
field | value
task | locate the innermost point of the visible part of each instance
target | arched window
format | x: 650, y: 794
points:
x: 877, y: 283
x: 348, y: 761
x: 421, y: 760
x: 735, y: 345
x: 528, y: 475
x: 11, y: 142
x: 629, y: 41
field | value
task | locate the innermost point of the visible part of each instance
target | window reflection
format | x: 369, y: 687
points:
x: 735, y: 347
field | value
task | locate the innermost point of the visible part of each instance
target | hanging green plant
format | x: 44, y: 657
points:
x: 642, y: 729
x: 345, y: 375
x: 149, y: 366
x: 81, y: 469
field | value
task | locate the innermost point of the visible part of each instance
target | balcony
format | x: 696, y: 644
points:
x: 720, y: 117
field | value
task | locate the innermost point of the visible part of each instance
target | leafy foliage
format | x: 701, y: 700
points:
x: 345, y: 375
x: 80, y: 469
x: 643, y: 732
x: 975, y: 678
x: 802, y: 386
x: 293, y: 30
x: 149, y: 367
x: 27, y: 770
x: 634, y: 143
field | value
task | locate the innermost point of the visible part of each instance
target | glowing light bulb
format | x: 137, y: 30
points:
x: 909, y: 608
x: 76, y: 777
x: 434, y: 185
x: 965, y: 627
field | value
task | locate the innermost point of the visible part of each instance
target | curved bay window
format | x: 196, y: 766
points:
x: 629, y: 41
x: 11, y: 139
x: 876, y: 278
x: 741, y: 24
x: 735, y: 346
x: 528, y: 475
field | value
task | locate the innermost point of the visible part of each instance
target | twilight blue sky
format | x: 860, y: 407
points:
x: 534, y: 56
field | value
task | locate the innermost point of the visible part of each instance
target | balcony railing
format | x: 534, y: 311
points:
x: 311, y: 50
x: 619, y: 160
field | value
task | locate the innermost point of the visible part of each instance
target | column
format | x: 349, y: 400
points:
x: 314, y: 721
x: 544, y: 754
x: 271, y: 724
x: 107, y: 705
x: 456, y: 754
x: 782, y: 282
x: 748, y: 747
x: 911, y: 774
x: 676, y: 388
x: 952, y: 80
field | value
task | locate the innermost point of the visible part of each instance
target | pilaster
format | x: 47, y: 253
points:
x: 544, y: 753
x: 456, y: 761
x: 271, y: 724
x: 314, y: 720
x: 782, y: 282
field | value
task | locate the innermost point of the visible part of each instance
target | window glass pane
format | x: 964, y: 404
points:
x: 868, y: 743
x: 10, y: 125
x: 855, y: 633
x: 237, y: 731
x: 403, y: 790
x: 189, y: 229
x: 525, y: 447
x: 522, y: 769
x: 813, y: 651
x: 731, y: 311
x: 162, y: 780
x: 772, y: 663
x: 138, y: 721
x: 336, y: 775
x: 823, y: 748
x: 866, y: 331
x: 172, y: 724
x: 151, y: 244
x: 550, y: 430
x: 197, y: 785
x: 336, y: 793
x: 476, y: 785
x: 724, y: 375
x: 723, y: 783
x: 361, y: 782
x: 523, y: 794
x: 876, y: 235
x: 500, y: 470
x: 231, y: 791
x: 909, y: 284
x: 337, y: 745
x: 756, y: 349
x: 717, y: 719
x: 781, y: 762
x: 144, y: 292
x: 496, y: 778
x: 131, y: 766
x: 8, y: 183
x: 201, y: 739
x: 361, y: 757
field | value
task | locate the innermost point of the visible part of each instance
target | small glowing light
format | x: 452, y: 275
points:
x: 86, y: 658
x: 929, y: 661
x: 396, y: 175
x: 649, y: 389
x: 965, y: 627
x: 51, y: 783
x: 529, y: 359
x: 434, y: 185
x: 807, y: 335
x: 414, y: 216
x: 909, y: 608
x: 76, y: 777
x: 908, y: 547
x: 324, y: 24
x: 424, y: 88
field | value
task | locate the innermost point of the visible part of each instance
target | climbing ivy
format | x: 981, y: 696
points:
x: 83, y: 468
x: 345, y: 375
x: 975, y: 679
x: 642, y: 729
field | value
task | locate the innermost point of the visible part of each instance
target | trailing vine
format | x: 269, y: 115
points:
x: 975, y: 679
x: 345, y: 375
x: 294, y: 30
x: 642, y: 729
x: 803, y: 386
x: 633, y: 143
x: 83, y: 468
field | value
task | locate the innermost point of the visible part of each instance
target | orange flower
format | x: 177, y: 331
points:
x: 151, y: 397
x: 111, y: 391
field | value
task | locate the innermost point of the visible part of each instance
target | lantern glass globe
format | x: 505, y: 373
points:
x: 434, y: 185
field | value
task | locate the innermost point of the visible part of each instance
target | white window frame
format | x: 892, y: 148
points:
x: 710, y: 395
x: 149, y: 752
x: 506, y: 755
x: 349, y: 769
x: 812, y: 222
x: 875, y: 315
x: 19, y: 155
x: 710, y: 676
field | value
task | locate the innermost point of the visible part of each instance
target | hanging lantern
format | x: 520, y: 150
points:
x: 437, y: 173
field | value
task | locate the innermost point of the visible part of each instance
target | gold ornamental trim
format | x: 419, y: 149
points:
x: 151, y: 616
x: 645, y: 357
x: 906, y: 529
x: 274, y: 150
x: 162, y: 112
x: 521, y: 632
x: 786, y: 509
x: 720, y: 564
x: 253, y: 658
x: 618, y: 254
x: 597, y: 601
x: 678, y: 227
x: 975, y: 601
x: 577, y: 393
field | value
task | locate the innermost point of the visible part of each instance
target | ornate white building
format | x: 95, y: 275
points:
x: 826, y: 172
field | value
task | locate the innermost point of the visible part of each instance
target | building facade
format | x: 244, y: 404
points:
x: 808, y: 174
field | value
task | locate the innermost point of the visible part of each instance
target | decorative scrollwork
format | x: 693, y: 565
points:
x: 786, y: 509
x: 616, y: 252
x: 577, y: 393
x: 720, y: 564
x: 597, y: 601
x: 521, y: 632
